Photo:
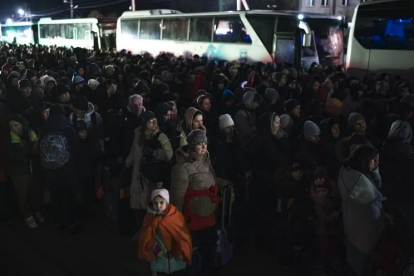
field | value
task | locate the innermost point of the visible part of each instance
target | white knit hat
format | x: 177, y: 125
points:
x: 162, y: 193
x: 225, y: 121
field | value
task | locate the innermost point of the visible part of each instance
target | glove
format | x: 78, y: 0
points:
x: 149, y: 152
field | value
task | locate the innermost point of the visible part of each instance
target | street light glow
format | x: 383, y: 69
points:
x: 20, y: 11
x: 300, y: 16
x: 9, y: 21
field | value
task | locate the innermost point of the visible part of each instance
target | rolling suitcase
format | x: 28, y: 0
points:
x: 225, y: 232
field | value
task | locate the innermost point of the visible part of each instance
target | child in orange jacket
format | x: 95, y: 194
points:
x: 165, y: 240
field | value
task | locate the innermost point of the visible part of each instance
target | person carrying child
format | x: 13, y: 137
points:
x: 165, y: 240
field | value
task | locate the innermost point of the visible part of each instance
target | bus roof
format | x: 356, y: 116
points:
x: 390, y: 3
x: 311, y: 14
x: 49, y: 20
x: 25, y: 23
x: 174, y: 13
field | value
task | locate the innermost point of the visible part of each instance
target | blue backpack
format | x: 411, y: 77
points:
x: 54, y: 151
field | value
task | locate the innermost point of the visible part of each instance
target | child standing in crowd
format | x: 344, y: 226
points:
x: 327, y: 223
x: 164, y: 239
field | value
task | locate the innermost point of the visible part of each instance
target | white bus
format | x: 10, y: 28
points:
x: 245, y: 36
x: 88, y: 33
x: 17, y: 32
x: 382, y: 39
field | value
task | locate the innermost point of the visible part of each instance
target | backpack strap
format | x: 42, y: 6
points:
x: 94, y: 119
x: 74, y: 118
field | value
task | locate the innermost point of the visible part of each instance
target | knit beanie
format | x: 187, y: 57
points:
x: 310, y: 129
x: 110, y: 70
x: 56, y: 110
x: 62, y: 89
x: 30, y: 74
x: 320, y: 180
x: 271, y: 94
x: 162, y: 193
x: 66, y: 81
x: 195, y: 138
x: 146, y: 116
x: 225, y: 121
x: 93, y: 84
x: 76, y: 79
x: 95, y: 70
x: 354, y: 117
x: 295, y: 165
x: 291, y: 104
x: 286, y: 122
x: 227, y: 94
x: 81, y: 103
x: 24, y: 83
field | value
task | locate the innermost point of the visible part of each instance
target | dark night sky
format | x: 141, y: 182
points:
x: 8, y: 8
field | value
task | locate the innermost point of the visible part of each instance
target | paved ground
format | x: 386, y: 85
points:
x: 96, y: 250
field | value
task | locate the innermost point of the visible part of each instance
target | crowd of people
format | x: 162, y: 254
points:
x: 319, y: 161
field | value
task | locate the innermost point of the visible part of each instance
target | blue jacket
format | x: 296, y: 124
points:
x: 164, y: 262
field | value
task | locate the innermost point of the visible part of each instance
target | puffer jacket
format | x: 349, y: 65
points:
x: 193, y: 171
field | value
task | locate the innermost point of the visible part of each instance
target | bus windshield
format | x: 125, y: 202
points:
x: 328, y: 39
x: 16, y: 31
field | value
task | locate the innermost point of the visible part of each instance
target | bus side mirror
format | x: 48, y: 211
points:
x: 307, y: 36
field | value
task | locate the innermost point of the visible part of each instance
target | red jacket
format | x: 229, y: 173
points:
x: 195, y: 222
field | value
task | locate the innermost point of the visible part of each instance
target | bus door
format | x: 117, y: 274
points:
x: 309, y: 52
x: 285, y: 49
x: 285, y: 40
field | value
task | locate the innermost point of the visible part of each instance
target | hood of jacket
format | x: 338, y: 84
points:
x: 264, y: 124
x: 187, y: 123
x: 248, y: 99
x: 359, y: 188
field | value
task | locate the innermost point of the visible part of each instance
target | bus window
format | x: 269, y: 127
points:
x: 175, y: 29
x: 15, y: 31
x: 130, y: 27
x: 285, y: 51
x: 264, y: 28
x: 150, y: 29
x: 382, y: 30
x: 230, y: 30
x: 201, y: 29
x: 68, y: 31
x: 84, y: 30
x: 286, y: 25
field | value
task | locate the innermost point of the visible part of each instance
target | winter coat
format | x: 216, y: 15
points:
x: 363, y: 218
x: 192, y: 171
x: 119, y: 131
x: 396, y: 167
x: 245, y: 119
x: 22, y: 154
x: 164, y: 261
x: 141, y: 186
